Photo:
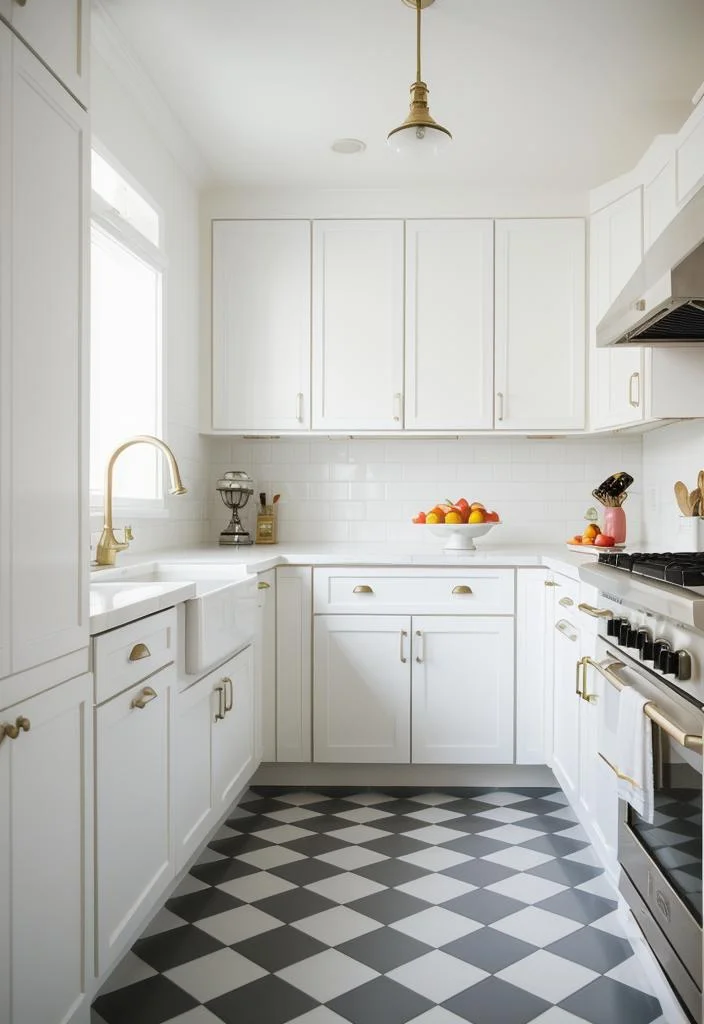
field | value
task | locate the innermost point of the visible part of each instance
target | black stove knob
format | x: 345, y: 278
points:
x: 613, y: 626
x: 684, y: 665
x: 647, y: 651
x: 667, y: 662
x: 658, y: 647
x: 623, y: 631
x: 632, y: 638
x: 642, y: 638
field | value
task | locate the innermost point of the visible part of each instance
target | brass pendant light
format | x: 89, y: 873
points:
x: 419, y: 131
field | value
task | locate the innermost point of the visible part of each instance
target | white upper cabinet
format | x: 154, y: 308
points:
x: 540, y: 325
x: 57, y: 30
x: 616, y: 249
x: 261, y: 325
x: 5, y: 348
x: 44, y: 460
x: 659, y: 202
x: 449, y: 324
x: 358, y: 268
x: 690, y: 158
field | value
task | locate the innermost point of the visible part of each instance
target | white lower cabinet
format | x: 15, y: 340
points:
x: 294, y: 623
x: 565, y: 737
x: 534, y: 669
x: 214, y: 752
x: 45, y: 836
x: 133, y: 852
x: 265, y: 672
x: 462, y: 689
x: 362, y: 688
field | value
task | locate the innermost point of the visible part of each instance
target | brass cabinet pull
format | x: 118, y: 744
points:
x: 220, y: 690
x: 139, y: 651
x: 596, y: 613
x: 21, y: 3
x: 590, y: 698
x: 404, y: 634
x: 566, y: 602
x: 263, y: 586
x: 146, y: 697
x: 229, y: 704
x: 22, y: 724
x: 551, y: 583
x: 362, y: 589
x: 462, y: 590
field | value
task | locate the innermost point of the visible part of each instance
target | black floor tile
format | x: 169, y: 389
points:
x: 609, y: 1002
x: 578, y: 906
x: 384, y: 949
x: 476, y: 846
x: 489, y: 949
x: 152, y: 1001
x: 202, y: 904
x: 388, y: 906
x: 391, y: 872
x: 279, y: 948
x: 235, y: 846
x: 175, y: 947
x: 294, y: 905
x: 593, y: 948
x: 380, y: 1000
x: 486, y: 907
x: 268, y: 999
x: 558, y: 846
x: 396, y: 845
x: 566, y: 872
x: 305, y: 872
x: 313, y: 846
x: 479, y: 872
x: 219, y: 871
x: 493, y: 1001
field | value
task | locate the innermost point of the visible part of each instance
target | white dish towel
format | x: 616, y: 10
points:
x: 634, y: 744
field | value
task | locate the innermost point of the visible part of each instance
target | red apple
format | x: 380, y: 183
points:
x: 603, y: 540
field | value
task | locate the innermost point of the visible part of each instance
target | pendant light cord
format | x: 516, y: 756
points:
x: 418, y: 78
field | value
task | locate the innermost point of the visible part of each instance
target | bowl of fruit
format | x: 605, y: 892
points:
x: 593, y: 539
x: 458, y: 523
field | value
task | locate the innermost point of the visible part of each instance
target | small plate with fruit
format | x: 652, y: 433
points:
x: 458, y: 522
x: 593, y: 540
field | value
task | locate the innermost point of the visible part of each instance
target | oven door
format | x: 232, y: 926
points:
x: 662, y: 861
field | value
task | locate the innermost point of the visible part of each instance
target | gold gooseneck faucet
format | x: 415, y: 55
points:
x: 109, y: 545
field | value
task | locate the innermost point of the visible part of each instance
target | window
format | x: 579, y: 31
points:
x: 126, y: 332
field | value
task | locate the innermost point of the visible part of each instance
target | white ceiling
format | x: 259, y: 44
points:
x: 539, y: 94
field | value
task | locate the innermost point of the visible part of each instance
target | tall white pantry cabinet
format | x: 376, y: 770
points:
x: 45, y: 691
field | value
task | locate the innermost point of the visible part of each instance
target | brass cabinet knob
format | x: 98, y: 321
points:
x: 462, y: 590
x: 566, y: 602
x: 362, y: 589
x: 140, y: 651
x: 263, y: 586
x: 146, y: 697
x: 22, y: 724
x: 551, y: 583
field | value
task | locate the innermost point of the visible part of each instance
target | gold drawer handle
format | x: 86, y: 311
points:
x: 146, y: 697
x: 596, y: 613
x: 220, y: 714
x: 229, y: 704
x: 566, y: 602
x: 139, y: 651
x: 551, y: 583
x: 22, y: 724
x: 462, y: 590
x: 263, y: 586
x: 362, y: 589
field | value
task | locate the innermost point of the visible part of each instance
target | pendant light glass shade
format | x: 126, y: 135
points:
x: 419, y: 133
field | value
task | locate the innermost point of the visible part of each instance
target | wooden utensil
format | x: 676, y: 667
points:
x: 700, y: 487
x: 682, y: 498
x: 695, y: 502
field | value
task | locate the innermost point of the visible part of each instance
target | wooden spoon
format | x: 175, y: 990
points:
x: 695, y: 498
x: 682, y: 498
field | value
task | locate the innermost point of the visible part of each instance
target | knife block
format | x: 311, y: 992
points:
x: 266, y: 525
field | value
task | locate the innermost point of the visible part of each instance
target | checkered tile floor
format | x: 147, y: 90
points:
x: 384, y: 908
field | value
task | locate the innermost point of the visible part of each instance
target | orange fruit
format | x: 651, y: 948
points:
x: 476, y: 516
x: 432, y: 518
x: 453, y: 517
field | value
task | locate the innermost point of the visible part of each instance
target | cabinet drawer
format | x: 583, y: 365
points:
x: 124, y: 656
x: 395, y: 591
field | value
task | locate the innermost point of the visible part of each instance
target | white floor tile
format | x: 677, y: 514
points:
x: 631, y: 972
x: 208, y: 856
x: 225, y: 832
x: 513, y: 834
x: 436, y: 888
x: 540, y: 927
x: 320, y: 1015
x: 434, y: 835
x: 359, y: 833
x: 345, y: 887
x: 558, y: 797
x: 436, y: 926
x: 370, y: 799
x: 164, y: 921
x: 436, y: 858
x: 576, y: 832
x: 211, y: 976
x: 361, y: 815
x: 271, y: 857
x: 437, y: 975
x: 283, y: 834
x: 554, y: 1016
x: 198, y: 1015
x: 327, y: 975
x: 526, y: 888
x: 301, y: 799
x: 438, y: 1015
x: 502, y: 799
x: 255, y: 887
x: 238, y: 924
x: 519, y: 858
x: 611, y: 923
x: 433, y: 815
x: 337, y: 925
x: 351, y: 858
x: 584, y: 856
x: 129, y: 971
x: 433, y: 799
x: 547, y: 976
x: 187, y: 885
x: 563, y: 814
x: 599, y: 886
x: 508, y: 815
x: 289, y: 815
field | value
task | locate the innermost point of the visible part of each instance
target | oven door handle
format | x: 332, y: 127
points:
x: 686, y: 739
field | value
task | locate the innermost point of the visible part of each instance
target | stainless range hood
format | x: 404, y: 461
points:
x: 663, y: 303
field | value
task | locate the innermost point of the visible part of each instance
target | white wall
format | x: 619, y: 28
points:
x: 123, y: 126
x: 359, y: 490
x: 670, y: 453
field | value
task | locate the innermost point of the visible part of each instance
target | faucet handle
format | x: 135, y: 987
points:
x: 128, y: 535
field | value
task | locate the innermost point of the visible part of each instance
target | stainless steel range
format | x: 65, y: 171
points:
x: 651, y: 635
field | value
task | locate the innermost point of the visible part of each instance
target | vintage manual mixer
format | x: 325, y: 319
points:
x: 235, y: 489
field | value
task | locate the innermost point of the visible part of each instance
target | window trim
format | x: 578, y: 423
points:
x: 106, y: 219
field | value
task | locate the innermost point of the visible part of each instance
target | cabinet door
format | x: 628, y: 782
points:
x: 233, y: 735
x: 659, y: 202
x: 45, y: 793
x: 565, y: 740
x: 294, y: 627
x: 462, y: 691
x: 616, y: 248
x: 358, y: 325
x: 540, y: 325
x: 5, y: 352
x: 362, y: 691
x: 133, y: 848
x: 48, y: 446
x: 449, y: 324
x: 194, y: 718
x: 533, y: 667
x: 261, y: 325
x: 265, y: 736
x: 598, y: 790
x: 58, y: 31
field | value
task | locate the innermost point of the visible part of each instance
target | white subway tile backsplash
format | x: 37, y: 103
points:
x: 329, y: 491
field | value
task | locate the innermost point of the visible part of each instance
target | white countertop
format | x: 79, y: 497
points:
x: 115, y: 600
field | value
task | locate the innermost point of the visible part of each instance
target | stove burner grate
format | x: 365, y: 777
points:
x: 682, y: 569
